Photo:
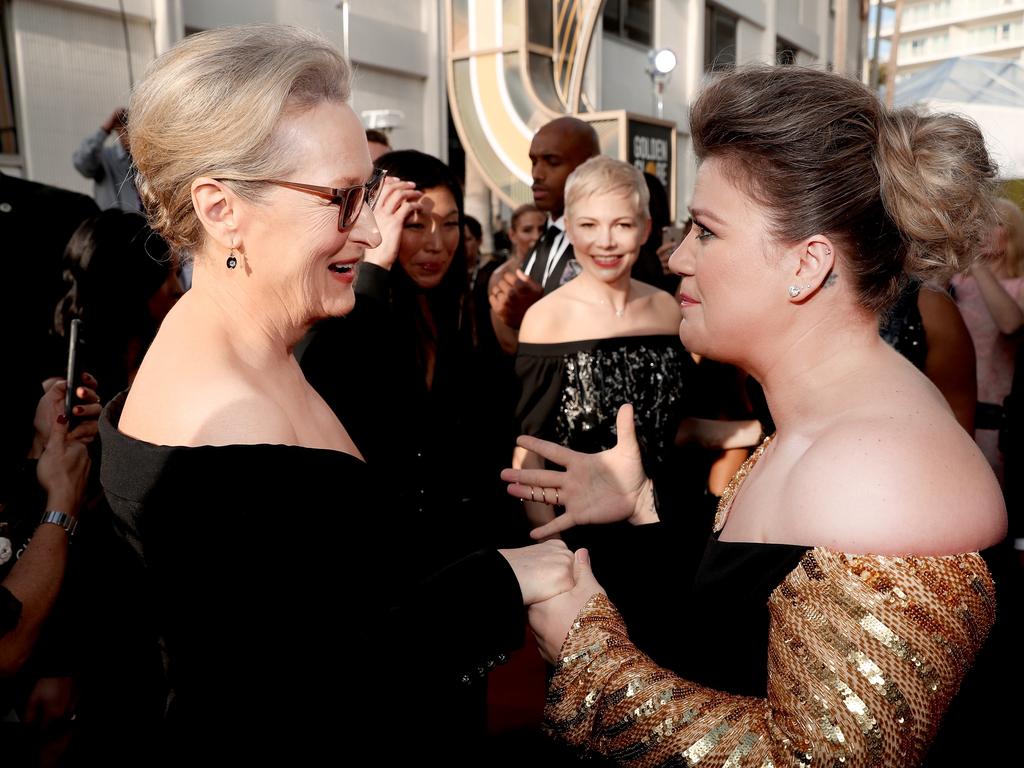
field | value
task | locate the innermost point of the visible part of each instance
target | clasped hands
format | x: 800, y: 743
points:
x: 594, y: 488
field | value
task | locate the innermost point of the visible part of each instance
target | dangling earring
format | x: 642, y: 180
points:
x: 232, y: 262
x: 794, y: 291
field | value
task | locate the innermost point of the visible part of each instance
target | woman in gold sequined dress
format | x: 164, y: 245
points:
x: 842, y: 598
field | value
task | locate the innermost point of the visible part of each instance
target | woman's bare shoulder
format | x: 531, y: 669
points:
x: 885, y: 484
x: 200, y: 399
x: 544, y: 322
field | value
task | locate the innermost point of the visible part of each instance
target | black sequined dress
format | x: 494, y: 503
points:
x: 903, y: 329
x: 570, y: 394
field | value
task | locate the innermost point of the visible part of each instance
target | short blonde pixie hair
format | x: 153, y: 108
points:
x: 211, y: 106
x: 604, y: 175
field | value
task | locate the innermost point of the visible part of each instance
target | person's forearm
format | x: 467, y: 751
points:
x: 35, y: 581
x: 1003, y: 308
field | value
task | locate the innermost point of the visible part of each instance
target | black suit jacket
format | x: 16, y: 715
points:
x: 539, y: 257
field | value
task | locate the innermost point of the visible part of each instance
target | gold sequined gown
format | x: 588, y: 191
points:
x: 864, y: 654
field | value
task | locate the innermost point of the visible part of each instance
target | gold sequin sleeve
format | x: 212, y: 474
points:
x: 864, y: 655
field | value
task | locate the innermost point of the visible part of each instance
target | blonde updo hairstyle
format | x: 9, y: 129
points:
x: 900, y: 193
x: 211, y: 106
x: 605, y: 175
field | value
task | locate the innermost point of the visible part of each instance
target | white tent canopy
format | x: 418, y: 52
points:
x: 988, y: 91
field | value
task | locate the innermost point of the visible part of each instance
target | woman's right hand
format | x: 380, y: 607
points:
x: 604, y: 487
x: 398, y: 199
x: 63, y: 469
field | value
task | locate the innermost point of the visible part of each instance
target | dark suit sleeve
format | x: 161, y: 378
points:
x: 467, y: 617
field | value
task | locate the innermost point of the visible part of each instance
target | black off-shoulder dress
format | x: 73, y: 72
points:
x: 293, y: 626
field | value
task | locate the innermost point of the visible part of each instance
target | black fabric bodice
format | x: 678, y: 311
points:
x: 572, y: 391
x: 283, y: 593
x: 729, y: 612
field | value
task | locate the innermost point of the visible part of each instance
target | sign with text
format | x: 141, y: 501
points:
x: 649, y: 148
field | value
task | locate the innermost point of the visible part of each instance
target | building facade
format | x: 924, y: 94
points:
x: 69, y: 63
x: 934, y: 30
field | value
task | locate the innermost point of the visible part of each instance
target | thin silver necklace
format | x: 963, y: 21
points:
x: 618, y: 312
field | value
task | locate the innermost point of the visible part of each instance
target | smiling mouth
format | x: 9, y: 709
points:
x: 342, y: 269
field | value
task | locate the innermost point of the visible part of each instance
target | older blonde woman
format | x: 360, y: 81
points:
x: 291, y: 621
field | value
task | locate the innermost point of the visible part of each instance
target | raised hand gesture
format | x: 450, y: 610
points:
x: 604, y: 487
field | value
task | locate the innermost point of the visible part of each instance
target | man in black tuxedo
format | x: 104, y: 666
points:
x: 557, y: 149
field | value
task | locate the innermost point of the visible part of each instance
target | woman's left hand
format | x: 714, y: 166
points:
x: 552, y: 619
x: 398, y: 199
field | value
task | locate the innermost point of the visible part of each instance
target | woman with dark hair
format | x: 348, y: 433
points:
x: 412, y: 322
x: 411, y: 400
x: 842, y: 596
x: 122, y: 281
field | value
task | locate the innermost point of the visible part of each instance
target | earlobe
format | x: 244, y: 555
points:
x: 214, y: 204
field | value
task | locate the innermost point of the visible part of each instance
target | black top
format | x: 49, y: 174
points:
x: 903, y: 329
x: 572, y: 391
x: 291, y: 620
x: 570, y: 394
x: 440, y: 445
x: 729, y: 607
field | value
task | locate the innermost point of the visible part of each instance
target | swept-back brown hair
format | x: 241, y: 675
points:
x: 900, y: 193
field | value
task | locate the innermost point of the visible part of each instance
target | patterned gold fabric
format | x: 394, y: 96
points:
x: 865, y: 654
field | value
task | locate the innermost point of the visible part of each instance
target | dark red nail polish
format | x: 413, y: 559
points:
x: 62, y: 419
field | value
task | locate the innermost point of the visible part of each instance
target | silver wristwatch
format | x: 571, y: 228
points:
x: 63, y: 519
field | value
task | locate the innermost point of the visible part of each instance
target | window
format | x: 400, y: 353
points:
x: 719, y: 39
x: 8, y: 127
x: 785, y: 52
x: 629, y: 19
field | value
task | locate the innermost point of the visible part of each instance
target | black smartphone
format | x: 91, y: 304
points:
x: 74, y: 374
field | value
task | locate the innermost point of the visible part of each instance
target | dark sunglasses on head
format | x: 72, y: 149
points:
x: 348, y: 199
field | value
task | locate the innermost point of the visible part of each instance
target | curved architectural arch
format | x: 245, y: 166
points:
x: 514, y: 65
